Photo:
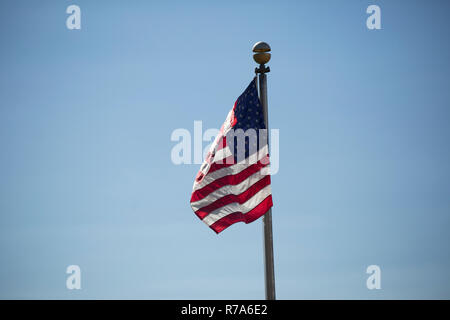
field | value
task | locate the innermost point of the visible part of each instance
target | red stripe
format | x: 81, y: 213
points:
x: 221, y: 143
x: 224, y: 163
x: 233, y: 117
x: 230, y: 198
x: 250, y: 216
x: 229, y: 161
x: 227, y: 180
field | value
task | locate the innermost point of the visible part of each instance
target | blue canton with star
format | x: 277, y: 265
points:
x: 249, y: 114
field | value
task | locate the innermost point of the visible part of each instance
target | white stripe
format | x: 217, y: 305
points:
x: 236, y: 207
x: 231, y: 170
x: 228, y: 189
x: 222, y: 154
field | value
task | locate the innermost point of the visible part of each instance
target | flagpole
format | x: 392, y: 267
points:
x: 262, y: 56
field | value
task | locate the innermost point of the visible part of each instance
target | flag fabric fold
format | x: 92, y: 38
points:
x: 233, y: 184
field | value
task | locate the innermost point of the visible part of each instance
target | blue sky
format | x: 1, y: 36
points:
x: 86, y: 176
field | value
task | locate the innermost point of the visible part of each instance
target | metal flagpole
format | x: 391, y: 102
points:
x: 262, y: 56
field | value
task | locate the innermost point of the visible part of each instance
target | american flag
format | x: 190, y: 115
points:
x: 233, y: 184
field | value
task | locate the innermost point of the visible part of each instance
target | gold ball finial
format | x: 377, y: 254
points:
x: 262, y: 55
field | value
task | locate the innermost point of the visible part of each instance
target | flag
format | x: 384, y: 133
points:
x: 233, y: 184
